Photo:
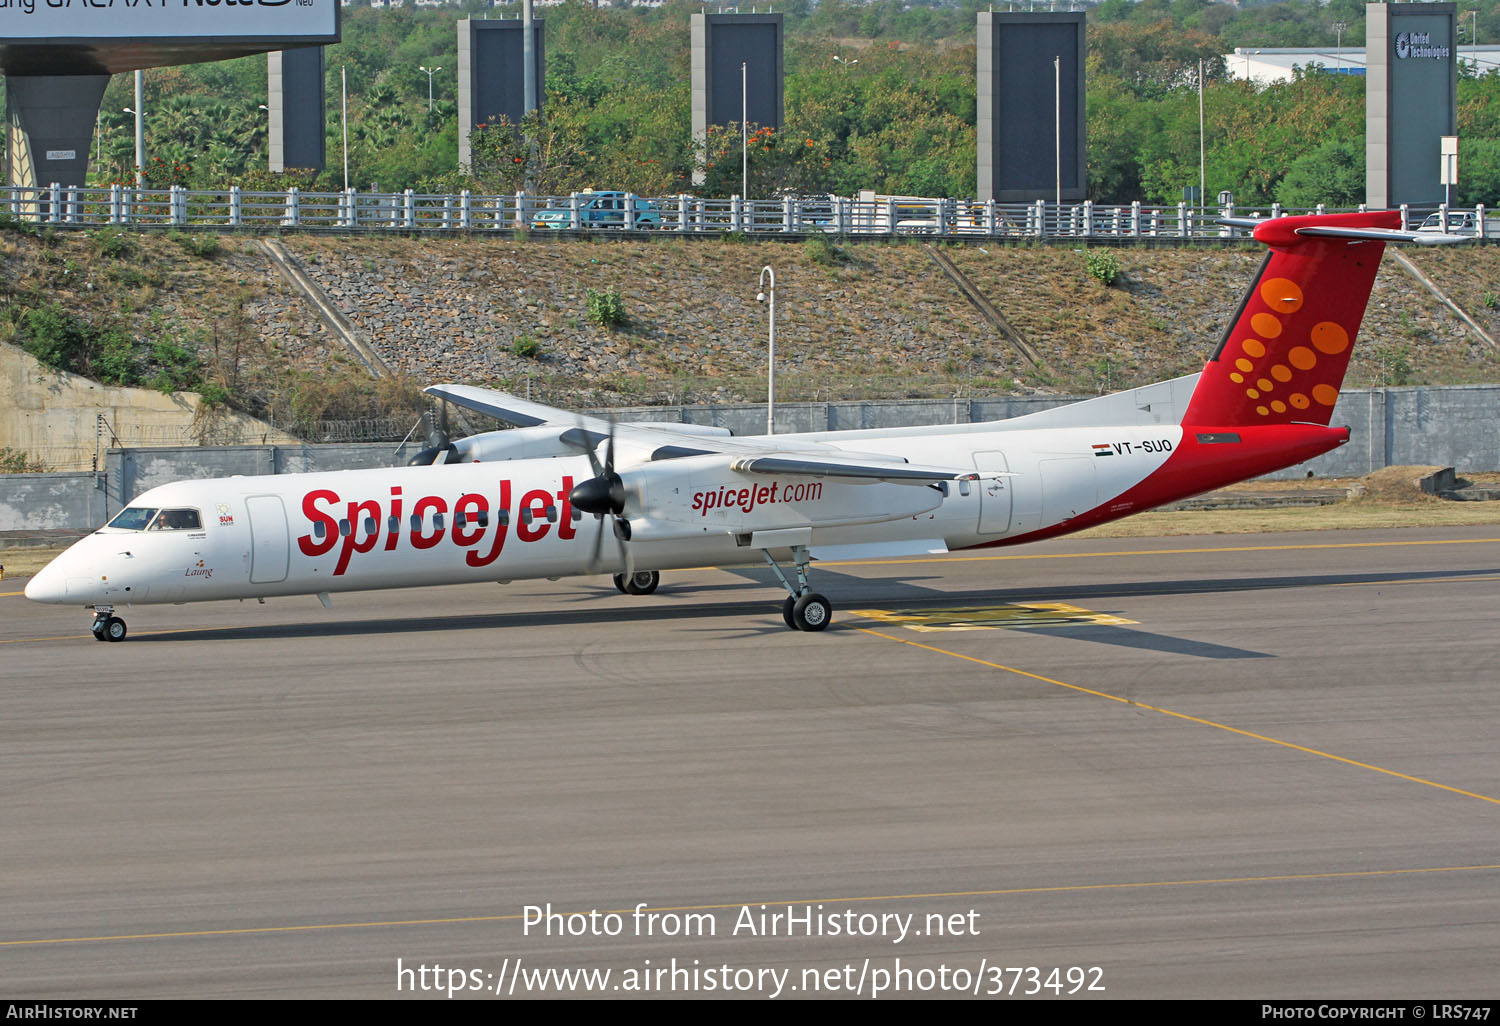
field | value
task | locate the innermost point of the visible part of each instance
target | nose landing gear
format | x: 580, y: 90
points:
x: 107, y: 626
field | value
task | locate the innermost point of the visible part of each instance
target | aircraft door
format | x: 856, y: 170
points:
x: 994, y: 494
x: 270, y: 539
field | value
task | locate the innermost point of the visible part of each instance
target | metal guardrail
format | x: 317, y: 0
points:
x: 78, y: 207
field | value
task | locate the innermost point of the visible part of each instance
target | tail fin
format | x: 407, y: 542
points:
x: 1284, y: 356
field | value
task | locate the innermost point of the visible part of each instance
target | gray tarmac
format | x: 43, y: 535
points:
x: 1216, y: 767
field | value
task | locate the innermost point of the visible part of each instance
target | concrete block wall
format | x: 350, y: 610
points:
x: 52, y: 502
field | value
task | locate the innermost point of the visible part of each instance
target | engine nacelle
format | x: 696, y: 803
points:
x: 514, y: 444
x: 545, y: 440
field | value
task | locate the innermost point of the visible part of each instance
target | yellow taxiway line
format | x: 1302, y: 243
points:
x: 1180, y: 716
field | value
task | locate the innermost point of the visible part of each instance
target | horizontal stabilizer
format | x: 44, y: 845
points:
x: 1358, y: 234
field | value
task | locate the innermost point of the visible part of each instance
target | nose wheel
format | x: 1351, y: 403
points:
x: 107, y: 626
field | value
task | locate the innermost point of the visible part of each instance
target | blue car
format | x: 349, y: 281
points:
x: 600, y: 210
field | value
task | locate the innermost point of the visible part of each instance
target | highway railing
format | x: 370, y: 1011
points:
x: 177, y: 207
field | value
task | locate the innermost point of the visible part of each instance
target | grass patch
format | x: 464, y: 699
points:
x: 1102, y: 265
x: 605, y: 307
x: 526, y: 347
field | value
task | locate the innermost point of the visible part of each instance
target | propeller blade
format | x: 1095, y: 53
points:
x: 603, y: 494
x: 609, y: 450
x: 598, y: 546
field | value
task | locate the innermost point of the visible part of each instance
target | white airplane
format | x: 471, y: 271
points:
x: 533, y: 501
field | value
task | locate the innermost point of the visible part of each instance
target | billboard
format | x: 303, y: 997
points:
x: 1411, y: 100
x: 737, y: 66
x: 491, y: 62
x: 105, y: 37
x: 71, y: 21
x: 1030, y: 113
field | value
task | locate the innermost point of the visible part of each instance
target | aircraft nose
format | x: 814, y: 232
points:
x: 50, y: 585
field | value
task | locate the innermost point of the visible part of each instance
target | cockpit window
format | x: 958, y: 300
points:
x: 177, y: 520
x: 132, y: 518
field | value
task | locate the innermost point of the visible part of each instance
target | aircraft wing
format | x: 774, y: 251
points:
x: 514, y: 410
x: 758, y: 455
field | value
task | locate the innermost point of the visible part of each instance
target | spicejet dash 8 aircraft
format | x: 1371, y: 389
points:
x: 513, y: 504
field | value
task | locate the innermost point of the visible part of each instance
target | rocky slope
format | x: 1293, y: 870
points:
x: 864, y: 319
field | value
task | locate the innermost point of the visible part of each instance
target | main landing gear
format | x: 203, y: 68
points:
x: 804, y: 609
x: 642, y: 582
x: 107, y: 626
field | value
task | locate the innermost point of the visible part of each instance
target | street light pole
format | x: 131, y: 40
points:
x: 1338, y: 43
x: 430, y: 73
x: 1057, y: 126
x: 344, y: 83
x: 766, y: 272
x: 1202, y: 173
x: 140, y: 128
x: 744, y: 136
x: 528, y: 60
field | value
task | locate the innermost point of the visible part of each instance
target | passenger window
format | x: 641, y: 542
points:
x: 320, y: 530
x: 393, y: 525
x: 370, y: 525
x: 345, y: 527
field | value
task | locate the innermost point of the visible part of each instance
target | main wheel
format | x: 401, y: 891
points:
x: 786, y: 612
x: 642, y: 582
x: 620, y: 583
x: 114, y: 629
x: 812, y: 612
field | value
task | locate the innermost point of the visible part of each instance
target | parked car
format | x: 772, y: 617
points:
x: 1460, y: 222
x: 600, y: 210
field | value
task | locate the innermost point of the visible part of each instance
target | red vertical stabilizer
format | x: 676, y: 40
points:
x: 1284, y: 357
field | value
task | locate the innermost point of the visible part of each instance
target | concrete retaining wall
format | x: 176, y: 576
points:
x: 1450, y: 426
x: 52, y: 502
x: 68, y: 419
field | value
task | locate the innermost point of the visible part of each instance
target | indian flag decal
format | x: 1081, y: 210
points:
x: 1102, y: 449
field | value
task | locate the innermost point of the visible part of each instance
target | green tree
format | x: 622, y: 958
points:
x: 1334, y: 173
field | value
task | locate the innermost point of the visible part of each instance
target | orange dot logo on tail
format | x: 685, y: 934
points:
x: 1329, y: 338
x: 1282, y: 295
x: 1266, y: 324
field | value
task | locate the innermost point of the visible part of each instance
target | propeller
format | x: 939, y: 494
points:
x: 439, y: 443
x: 603, y: 495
